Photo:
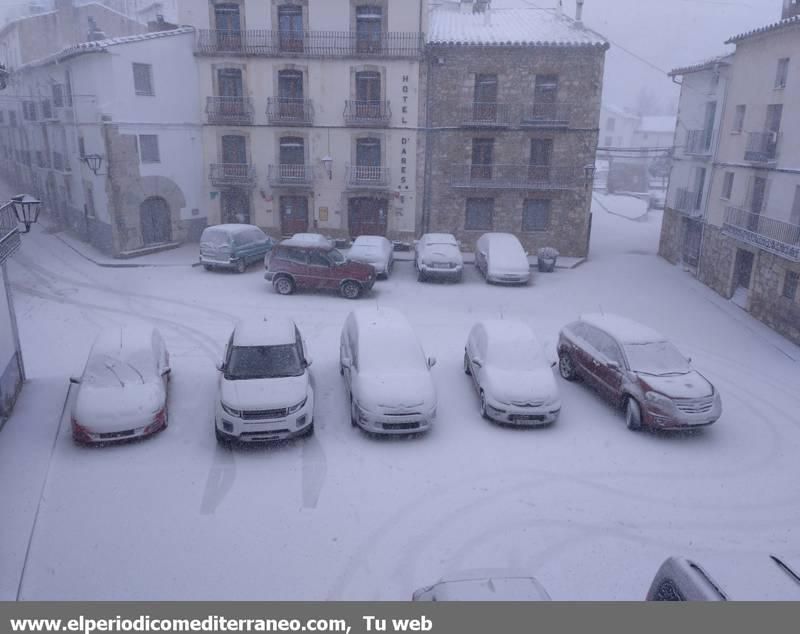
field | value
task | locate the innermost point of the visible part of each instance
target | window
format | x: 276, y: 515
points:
x: 29, y: 110
x: 609, y: 141
x: 292, y: 151
x: 90, y: 210
x: 68, y: 88
x: 47, y: 109
x: 81, y: 146
x: 539, y: 167
x: 536, y: 215
x: 2, y: 117
x: 479, y: 214
x: 727, y: 186
x: 58, y: 95
x: 317, y: 258
x: 738, y: 119
x: 699, y: 186
x: 790, y: 284
x: 782, y: 73
x: 148, y: 148
x: 12, y: 118
x: 369, y: 27
x: 294, y: 254
x: 143, y: 79
x: 368, y: 152
x: 290, y: 28
x: 482, y: 158
x: 611, y: 124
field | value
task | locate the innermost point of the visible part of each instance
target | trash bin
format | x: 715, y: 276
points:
x: 547, y: 259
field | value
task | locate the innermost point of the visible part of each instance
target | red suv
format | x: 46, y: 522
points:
x: 638, y: 369
x: 295, y: 265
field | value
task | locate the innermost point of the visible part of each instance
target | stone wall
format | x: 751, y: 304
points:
x: 716, y: 260
x: 453, y: 70
x: 766, y: 301
x: 671, y: 242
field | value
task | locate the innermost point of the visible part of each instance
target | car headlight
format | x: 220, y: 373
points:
x: 659, y: 400
x: 230, y: 410
x: 298, y: 407
x: 426, y: 262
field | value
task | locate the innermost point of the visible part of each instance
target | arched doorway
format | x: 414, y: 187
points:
x: 156, y: 221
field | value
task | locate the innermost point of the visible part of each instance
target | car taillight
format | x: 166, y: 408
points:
x: 79, y: 431
x: 159, y: 420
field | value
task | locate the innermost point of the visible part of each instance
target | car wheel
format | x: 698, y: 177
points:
x: 459, y: 277
x: 284, y: 285
x: 241, y: 266
x: 484, y: 413
x: 420, y: 275
x: 566, y: 367
x: 633, y: 414
x: 467, y: 371
x: 222, y: 440
x: 309, y: 431
x: 207, y: 267
x: 353, y: 413
x: 390, y: 269
x: 351, y: 290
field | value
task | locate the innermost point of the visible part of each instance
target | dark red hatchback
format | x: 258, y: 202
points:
x: 299, y: 264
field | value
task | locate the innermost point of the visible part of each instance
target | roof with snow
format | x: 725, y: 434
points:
x: 623, y: 329
x: 508, y: 27
x: 709, y: 64
x: 775, y: 26
x: 657, y: 124
x: 620, y: 112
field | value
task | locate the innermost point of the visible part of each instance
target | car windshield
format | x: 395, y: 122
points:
x: 263, y: 362
x: 391, y: 355
x: 519, y: 356
x: 659, y: 358
x: 336, y: 256
x: 103, y: 370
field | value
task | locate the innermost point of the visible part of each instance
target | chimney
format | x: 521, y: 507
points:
x: 94, y: 33
x: 579, y: 11
x: 791, y: 8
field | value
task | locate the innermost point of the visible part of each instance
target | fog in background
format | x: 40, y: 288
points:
x: 666, y: 33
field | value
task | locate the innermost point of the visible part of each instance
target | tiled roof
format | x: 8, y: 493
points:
x: 709, y: 64
x: 782, y: 24
x: 508, y: 27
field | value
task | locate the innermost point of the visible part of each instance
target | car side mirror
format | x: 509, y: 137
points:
x: 553, y: 364
x: 309, y: 361
x: 221, y: 366
x: 75, y: 380
x: 477, y: 362
x: 431, y: 362
x: 166, y: 371
x: 613, y: 365
x: 346, y: 363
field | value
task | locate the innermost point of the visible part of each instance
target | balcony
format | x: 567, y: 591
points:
x: 366, y: 114
x: 698, y: 143
x: 367, y: 176
x: 686, y: 202
x: 229, y: 110
x: 762, y: 147
x: 547, y: 115
x: 290, y: 175
x: 324, y: 44
x: 289, y: 111
x: 232, y: 174
x: 525, y: 177
x: 485, y: 115
x: 769, y: 234
x: 9, y: 236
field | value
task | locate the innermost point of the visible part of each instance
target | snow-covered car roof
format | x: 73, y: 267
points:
x: 121, y: 355
x: 501, y: 241
x: 308, y: 240
x: 439, y: 238
x: 489, y: 585
x: 507, y: 330
x: 385, y: 333
x: 370, y: 241
x: 271, y: 331
x: 230, y: 229
x: 623, y: 329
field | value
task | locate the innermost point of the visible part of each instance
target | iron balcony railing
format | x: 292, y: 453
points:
x: 482, y: 114
x: 547, y: 115
x: 762, y: 147
x: 543, y: 177
x: 687, y: 201
x: 9, y: 236
x: 769, y: 234
x: 225, y: 174
x: 259, y: 42
x: 230, y: 110
x: 698, y: 142
x: 290, y: 111
x: 291, y: 175
x: 367, y: 113
x: 367, y: 176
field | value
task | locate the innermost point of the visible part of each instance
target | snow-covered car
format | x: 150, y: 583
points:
x: 728, y: 577
x: 233, y: 246
x: 386, y: 373
x: 122, y: 393
x: 374, y: 250
x: 485, y: 585
x: 438, y: 255
x: 310, y: 240
x: 511, y: 374
x: 501, y: 259
x: 638, y: 369
x: 265, y: 388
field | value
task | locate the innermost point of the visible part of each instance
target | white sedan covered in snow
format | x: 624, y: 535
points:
x: 501, y: 259
x: 122, y: 393
x: 438, y: 255
x: 485, y: 585
x: 374, y: 250
x: 514, y: 380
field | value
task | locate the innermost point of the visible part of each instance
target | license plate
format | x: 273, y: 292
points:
x: 529, y: 417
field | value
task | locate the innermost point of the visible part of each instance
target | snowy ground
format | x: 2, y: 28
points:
x: 589, y: 506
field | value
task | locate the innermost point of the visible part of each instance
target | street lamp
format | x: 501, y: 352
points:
x: 93, y: 161
x: 27, y: 209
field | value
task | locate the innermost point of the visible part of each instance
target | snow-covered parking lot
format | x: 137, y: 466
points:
x: 591, y: 507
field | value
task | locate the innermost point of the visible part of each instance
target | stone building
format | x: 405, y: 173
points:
x: 750, y: 233
x: 311, y: 113
x: 513, y: 106
x: 12, y: 370
x: 109, y: 137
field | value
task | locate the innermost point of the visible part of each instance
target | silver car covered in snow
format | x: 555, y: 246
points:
x: 438, y: 255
